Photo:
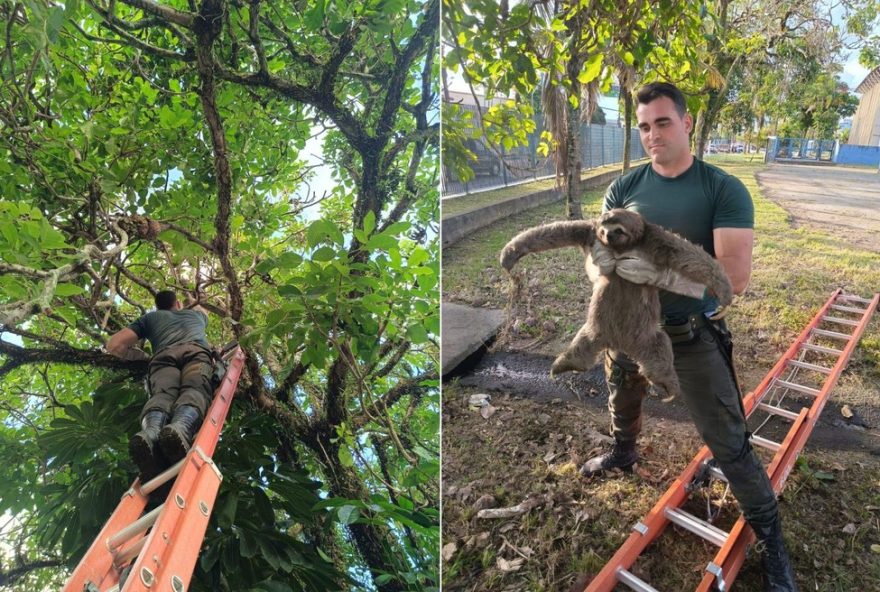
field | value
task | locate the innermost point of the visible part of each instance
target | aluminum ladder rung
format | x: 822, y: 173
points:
x: 121, y: 559
x: 853, y: 298
x: 797, y: 387
x: 765, y: 443
x: 820, y: 348
x: 807, y: 366
x: 634, y: 582
x: 848, y: 308
x: 841, y: 321
x: 778, y: 411
x: 136, y: 527
x: 711, y: 533
x: 832, y: 334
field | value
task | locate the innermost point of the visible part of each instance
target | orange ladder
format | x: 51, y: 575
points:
x: 165, y: 557
x: 821, y: 363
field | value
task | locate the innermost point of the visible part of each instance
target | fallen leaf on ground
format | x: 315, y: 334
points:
x: 875, y: 548
x: 487, y: 411
x: 449, y: 550
x: 512, y: 565
x: 846, y: 412
x: 849, y: 528
x: 477, y: 540
x: 479, y: 400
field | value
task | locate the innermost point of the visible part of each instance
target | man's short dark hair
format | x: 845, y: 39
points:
x: 655, y: 90
x: 165, y: 300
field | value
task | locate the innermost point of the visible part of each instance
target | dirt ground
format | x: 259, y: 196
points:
x: 522, y: 452
x: 842, y: 200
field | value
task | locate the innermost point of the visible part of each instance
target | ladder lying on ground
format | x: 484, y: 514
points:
x: 848, y: 316
x: 164, y: 557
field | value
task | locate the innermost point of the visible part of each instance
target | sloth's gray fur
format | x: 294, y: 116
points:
x: 623, y: 316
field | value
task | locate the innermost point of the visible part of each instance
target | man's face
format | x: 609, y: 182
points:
x: 663, y: 131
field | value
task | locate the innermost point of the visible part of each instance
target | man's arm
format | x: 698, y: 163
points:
x: 121, y: 341
x: 733, y: 249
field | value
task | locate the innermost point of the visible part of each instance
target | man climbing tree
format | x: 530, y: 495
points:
x: 180, y: 381
x: 171, y: 143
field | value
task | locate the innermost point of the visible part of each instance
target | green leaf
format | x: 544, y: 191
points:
x: 369, y: 222
x: 417, y: 334
x: 591, y: 69
x: 345, y: 457
x: 68, y: 290
x: 348, y: 514
x: 323, y: 254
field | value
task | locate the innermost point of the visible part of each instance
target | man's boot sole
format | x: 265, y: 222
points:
x: 599, y: 471
x: 142, y: 453
x: 174, y: 445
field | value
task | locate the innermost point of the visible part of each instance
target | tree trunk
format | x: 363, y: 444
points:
x: 371, y: 540
x: 627, y: 123
x: 573, y: 168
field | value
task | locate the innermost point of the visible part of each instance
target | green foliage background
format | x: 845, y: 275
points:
x: 149, y: 146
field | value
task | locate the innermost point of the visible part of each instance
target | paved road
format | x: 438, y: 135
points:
x: 838, y: 199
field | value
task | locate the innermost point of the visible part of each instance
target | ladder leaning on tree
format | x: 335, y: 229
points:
x: 164, y: 557
x: 817, y: 356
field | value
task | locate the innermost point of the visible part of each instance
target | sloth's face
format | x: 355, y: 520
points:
x: 620, y: 229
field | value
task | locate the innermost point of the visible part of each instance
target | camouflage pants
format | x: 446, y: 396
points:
x: 180, y: 375
x: 712, y: 396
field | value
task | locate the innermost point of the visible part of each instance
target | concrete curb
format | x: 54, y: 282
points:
x: 454, y: 228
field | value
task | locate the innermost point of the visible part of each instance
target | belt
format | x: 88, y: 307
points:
x: 683, y: 329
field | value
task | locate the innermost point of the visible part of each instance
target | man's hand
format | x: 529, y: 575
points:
x: 640, y: 271
x: 603, y: 258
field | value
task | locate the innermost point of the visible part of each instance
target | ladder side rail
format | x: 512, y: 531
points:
x: 96, y: 566
x: 726, y: 557
x: 790, y: 354
x: 157, y: 547
x: 180, y: 560
x: 654, y: 522
x: 209, y: 433
x: 783, y: 462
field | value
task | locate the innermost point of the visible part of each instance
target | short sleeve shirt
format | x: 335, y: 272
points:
x: 691, y: 205
x: 165, y: 328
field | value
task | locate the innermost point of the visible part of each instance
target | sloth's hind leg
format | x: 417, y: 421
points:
x: 580, y: 355
x: 656, y: 364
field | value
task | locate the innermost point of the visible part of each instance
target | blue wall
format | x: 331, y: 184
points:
x: 851, y: 154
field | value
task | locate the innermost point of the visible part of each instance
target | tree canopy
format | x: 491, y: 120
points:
x: 154, y: 145
x: 719, y: 52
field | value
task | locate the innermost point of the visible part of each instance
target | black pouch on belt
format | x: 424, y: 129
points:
x: 680, y: 333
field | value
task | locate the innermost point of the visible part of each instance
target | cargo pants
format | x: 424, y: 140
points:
x: 180, y: 375
x: 710, y: 391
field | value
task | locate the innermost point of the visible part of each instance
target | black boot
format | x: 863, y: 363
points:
x: 778, y: 574
x: 621, y: 456
x: 177, y: 436
x: 143, y: 448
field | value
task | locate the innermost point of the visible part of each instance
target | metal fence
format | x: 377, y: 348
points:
x: 600, y: 145
x: 802, y: 149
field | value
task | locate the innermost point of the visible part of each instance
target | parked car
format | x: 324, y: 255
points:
x: 487, y: 164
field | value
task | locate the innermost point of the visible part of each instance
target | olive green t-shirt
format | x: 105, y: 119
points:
x: 165, y: 328
x: 691, y: 205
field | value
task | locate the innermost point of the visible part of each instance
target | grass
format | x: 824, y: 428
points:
x: 830, y: 505
x: 468, y: 203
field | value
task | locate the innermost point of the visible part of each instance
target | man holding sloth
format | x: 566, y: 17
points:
x: 713, y: 209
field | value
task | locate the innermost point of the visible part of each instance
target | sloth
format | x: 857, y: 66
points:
x: 623, y: 316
